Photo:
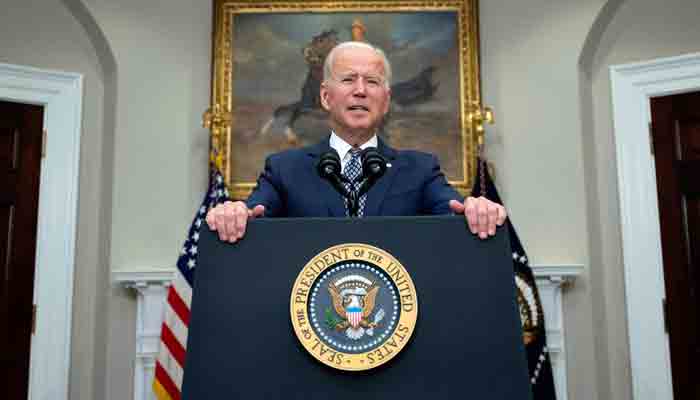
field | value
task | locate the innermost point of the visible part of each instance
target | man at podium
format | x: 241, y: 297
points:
x: 327, y: 179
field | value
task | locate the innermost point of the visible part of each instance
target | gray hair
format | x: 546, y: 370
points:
x: 330, y: 58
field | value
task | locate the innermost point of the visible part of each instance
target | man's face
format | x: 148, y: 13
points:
x: 355, y: 95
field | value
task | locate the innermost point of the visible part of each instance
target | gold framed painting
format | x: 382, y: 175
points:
x: 268, y: 58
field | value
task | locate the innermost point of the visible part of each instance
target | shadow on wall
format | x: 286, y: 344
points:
x: 101, y: 285
x: 590, y: 51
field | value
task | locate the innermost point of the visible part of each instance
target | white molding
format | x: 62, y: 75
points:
x: 61, y: 95
x: 551, y: 282
x: 632, y: 87
x: 562, y: 274
x: 151, y: 285
x: 135, y: 278
x: 149, y: 317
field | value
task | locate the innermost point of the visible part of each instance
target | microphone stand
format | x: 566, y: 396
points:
x: 329, y: 168
x: 373, y: 167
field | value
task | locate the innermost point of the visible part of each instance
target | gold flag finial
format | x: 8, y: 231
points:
x: 478, y: 115
x: 358, y: 30
x: 216, y: 119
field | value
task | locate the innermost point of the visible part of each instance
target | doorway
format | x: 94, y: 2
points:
x: 60, y: 93
x: 633, y: 85
x: 676, y: 145
x: 21, y: 127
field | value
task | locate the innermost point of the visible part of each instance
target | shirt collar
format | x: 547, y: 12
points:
x: 343, y: 148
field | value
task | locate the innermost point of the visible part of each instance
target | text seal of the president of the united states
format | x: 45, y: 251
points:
x: 354, y: 307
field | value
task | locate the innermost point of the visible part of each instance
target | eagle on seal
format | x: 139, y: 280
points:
x: 355, y: 308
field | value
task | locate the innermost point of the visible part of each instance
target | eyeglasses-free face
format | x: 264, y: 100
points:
x: 350, y: 79
x: 356, y: 95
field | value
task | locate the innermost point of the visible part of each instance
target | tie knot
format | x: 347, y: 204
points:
x: 353, y: 168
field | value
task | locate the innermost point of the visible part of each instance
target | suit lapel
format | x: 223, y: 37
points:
x: 376, y: 195
x: 326, y: 193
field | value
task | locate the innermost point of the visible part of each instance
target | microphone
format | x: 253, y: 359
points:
x: 373, y: 168
x: 329, y: 164
x: 328, y: 168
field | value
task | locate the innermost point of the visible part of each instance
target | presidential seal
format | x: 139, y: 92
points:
x: 353, y: 307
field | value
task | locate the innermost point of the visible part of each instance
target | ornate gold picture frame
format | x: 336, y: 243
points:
x: 267, y: 63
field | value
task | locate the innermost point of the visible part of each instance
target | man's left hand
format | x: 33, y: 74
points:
x: 482, y: 215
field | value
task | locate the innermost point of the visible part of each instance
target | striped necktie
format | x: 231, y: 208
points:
x: 353, y: 172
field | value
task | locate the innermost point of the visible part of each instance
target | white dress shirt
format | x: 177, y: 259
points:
x: 343, y: 148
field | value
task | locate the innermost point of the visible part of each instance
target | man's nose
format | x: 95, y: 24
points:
x: 360, y: 88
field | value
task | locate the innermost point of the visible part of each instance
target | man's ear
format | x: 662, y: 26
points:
x: 388, y: 101
x: 324, y: 97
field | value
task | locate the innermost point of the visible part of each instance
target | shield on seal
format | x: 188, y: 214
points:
x: 354, y: 315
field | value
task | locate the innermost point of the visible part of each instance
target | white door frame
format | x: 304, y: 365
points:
x: 61, y: 95
x: 632, y: 87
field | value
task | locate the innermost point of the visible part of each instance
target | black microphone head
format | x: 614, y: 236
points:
x: 329, y: 164
x: 373, y: 162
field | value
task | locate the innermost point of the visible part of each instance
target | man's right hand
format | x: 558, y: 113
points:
x: 230, y: 219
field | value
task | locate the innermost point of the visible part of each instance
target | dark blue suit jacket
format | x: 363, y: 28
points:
x: 291, y: 187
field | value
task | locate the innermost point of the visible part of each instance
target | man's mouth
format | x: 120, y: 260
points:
x: 358, y: 108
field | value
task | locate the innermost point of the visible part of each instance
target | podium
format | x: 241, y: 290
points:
x: 467, y: 340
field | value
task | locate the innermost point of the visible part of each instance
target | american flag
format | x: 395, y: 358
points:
x: 167, y: 383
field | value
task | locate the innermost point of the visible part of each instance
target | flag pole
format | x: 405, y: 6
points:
x: 478, y: 116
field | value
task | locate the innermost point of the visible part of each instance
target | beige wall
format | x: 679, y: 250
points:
x: 44, y: 34
x: 639, y: 30
x: 143, y: 151
x: 162, y: 52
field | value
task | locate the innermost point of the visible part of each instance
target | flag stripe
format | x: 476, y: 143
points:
x: 170, y: 365
x: 177, y: 305
x: 177, y: 327
x: 176, y: 349
x: 184, y: 290
x: 167, y: 382
x: 164, y: 382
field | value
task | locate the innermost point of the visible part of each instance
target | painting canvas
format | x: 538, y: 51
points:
x: 276, y: 67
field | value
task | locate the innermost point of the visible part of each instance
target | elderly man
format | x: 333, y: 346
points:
x: 356, y: 93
